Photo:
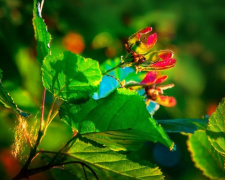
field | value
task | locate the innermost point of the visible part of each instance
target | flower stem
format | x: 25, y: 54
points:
x: 106, y: 72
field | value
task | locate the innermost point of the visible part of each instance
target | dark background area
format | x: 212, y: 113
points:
x: 194, y: 30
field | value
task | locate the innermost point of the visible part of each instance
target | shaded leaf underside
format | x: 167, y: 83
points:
x: 183, y: 125
x: 7, y: 100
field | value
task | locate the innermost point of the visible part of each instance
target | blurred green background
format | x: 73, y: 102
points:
x: 194, y: 30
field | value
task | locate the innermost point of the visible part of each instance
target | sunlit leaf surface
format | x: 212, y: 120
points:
x: 41, y: 33
x: 120, y: 121
x: 70, y: 76
x: 216, y: 128
x: 205, y: 156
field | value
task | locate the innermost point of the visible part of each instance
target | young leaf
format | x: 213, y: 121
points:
x: 205, y: 156
x: 107, y: 164
x: 41, y: 33
x: 183, y: 125
x: 70, y: 76
x: 119, y: 120
x: 216, y: 128
x: 7, y: 100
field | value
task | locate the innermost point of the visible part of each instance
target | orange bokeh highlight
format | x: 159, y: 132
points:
x: 211, y: 108
x: 74, y: 42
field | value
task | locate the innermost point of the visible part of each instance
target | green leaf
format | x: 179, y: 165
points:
x: 183, y: 125
x: 7, y: 100
x: 70, y: 76
x: 205, y: 156
x: 216, y: 128
x: 108, y: 164
x: 120, y: 121
x: 41, y: 33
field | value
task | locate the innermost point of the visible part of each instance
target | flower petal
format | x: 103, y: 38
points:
x: 151, y: 40
x: 136, y: 36
x: 146, y: 43
x: 161, y: 79
x: 150, y: 78
x: 164, y: 87
x: 157, y: 55
x: 142, y: 41
x: 165, y: 54
x: 145, y: 30
x: 168, y: 63
x: 166, y: 101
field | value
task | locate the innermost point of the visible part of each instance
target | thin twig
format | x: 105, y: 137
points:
x: 60, y: 151
x: 47, y: 167
x: 85, y: 174
x: 121, y: 84
x: 49, y: 152
x: 53, y: 116
x: 106, y: 72
x: 42, y: 109
x: 50, y: 112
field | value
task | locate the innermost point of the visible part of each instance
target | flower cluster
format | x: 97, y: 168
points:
x: 138, y: 48
x: 155, y: 92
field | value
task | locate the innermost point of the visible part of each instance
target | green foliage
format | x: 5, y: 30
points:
x: 119, y: 121
x: 121, y: 118
x: 183, y: 125
x: 0, y: 74
x: 216, y: 128
x: 41, y: 33
x: 7, y: 100
x: 70, y: 76
x: 205, y: 156
x: 107, y: 164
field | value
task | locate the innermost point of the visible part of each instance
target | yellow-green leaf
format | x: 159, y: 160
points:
x: 216, y: 128
x: 119, y: 121
x: 205, y: 156
x: 41, y: 33
x: 70, y: 76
